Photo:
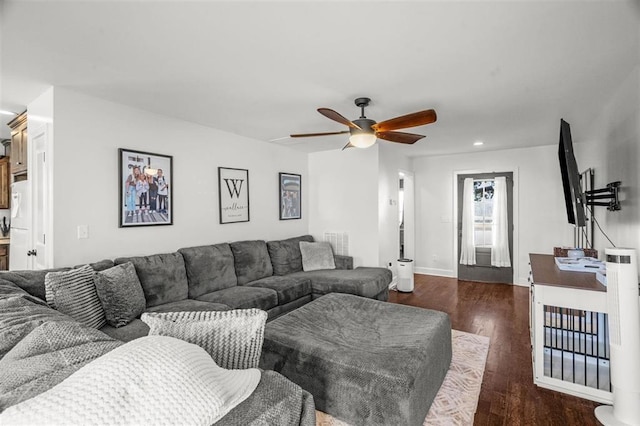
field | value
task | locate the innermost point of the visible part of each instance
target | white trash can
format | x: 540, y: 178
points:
x: 405, y: 275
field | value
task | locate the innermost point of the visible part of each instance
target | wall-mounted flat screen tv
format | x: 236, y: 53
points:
x: 573, y: 196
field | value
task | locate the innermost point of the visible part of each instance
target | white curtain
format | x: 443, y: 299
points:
x: 500, y: 234
x: 467, y: 242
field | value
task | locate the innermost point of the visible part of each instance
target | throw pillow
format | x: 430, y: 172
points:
x: 232, y: 338
x: 120, y: 293
x: 73, y: 292
x: 285, y: 255
x: 316, y: 256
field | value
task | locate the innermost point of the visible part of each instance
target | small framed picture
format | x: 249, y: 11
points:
x: 233, y: 195
x: 290, y: 196
x: 146, y: 188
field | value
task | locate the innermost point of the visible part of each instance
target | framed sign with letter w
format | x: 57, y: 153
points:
x: 233, y: 194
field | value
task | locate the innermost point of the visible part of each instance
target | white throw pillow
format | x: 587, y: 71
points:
x: 232, y: 338
x: 316, y: 256
x: 73, y: 292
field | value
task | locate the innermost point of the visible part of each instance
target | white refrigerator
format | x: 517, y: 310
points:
x: 20, y: 243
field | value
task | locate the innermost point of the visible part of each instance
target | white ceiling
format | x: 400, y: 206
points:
x: 501, y: 72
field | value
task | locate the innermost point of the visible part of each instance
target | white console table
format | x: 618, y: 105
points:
x: 569, y: 333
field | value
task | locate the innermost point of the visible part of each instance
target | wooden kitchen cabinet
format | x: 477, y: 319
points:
x: 5, y: 182
x: 19, y: 145
x: 4, y: 257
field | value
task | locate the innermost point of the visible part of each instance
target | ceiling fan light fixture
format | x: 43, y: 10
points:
x: 364, y: 132
x: 362, y: 140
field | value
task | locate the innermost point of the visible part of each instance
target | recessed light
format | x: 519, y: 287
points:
x: 478, y: 143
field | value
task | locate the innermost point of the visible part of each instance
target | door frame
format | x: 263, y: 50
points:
x: 40, y: 178
x: 516, y: 222
x: 409, y: 214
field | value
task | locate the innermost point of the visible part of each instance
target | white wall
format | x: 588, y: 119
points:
x: 539, y: 211
x: 89, y: 132
x: 389, y: 164
x: 343, y: 197
x: 614, y: 154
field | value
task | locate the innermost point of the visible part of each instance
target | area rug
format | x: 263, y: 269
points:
x: 457, y: 400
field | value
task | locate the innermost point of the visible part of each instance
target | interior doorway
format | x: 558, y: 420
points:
x: 482, y: 270
x: 406, y: 215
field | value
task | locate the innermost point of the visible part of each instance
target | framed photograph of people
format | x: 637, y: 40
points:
x: 146, y: 187
x: 290, y: 196
x: 233, y: 195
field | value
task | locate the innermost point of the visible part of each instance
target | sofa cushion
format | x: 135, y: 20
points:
x: 189, y: 305
x: 33, y: 281
x: 74, y: 293
x: 47, y: 356
x: 120, y: 294
x: 137, y: 328
x: 163, y: 277
x: 362, y: 281
x: 232, y: 338
x: 252, y: 260
x: 30, y: 281
x: 209, y: 268
x: 287, y: 288
x: 285, y: 254
x: 276, y: 401
x: 134, y: 330
x: 9, y: 289
x: 343, y: 262
x: 243, y: 297
x: 100, y: 265
x: 316, y: 256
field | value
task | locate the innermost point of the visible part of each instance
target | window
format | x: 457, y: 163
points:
x: 483, y: 211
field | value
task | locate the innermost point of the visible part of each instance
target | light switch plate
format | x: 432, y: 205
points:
x: 83, y: 231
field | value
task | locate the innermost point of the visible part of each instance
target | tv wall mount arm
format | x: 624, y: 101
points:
x: 607, y: 196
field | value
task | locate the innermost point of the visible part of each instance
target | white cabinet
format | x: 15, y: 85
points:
x: 569, y: 331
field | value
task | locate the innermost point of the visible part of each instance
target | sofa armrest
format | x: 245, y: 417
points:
x: 343, y: 262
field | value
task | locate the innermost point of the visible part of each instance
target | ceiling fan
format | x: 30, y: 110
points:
x: 364, y: 131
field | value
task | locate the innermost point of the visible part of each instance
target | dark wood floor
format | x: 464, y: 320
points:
x: 500, y: 312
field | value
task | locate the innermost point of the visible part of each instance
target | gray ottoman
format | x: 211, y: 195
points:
x: 364, y: 361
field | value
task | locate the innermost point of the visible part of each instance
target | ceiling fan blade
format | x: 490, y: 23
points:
x: 400, y: 137
x: 348, y: 145
x: 329, y: 113
x: 305, y: 135
x: 410, y: 120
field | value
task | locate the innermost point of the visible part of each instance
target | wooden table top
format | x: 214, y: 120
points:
x: 546, y: 272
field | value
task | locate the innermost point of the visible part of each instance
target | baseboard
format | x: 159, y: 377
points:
x: 434, y: 271
x: 522, y: 282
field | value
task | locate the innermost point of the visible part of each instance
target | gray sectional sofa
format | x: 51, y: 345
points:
x: 237, y: 275
x: 240, y: 275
